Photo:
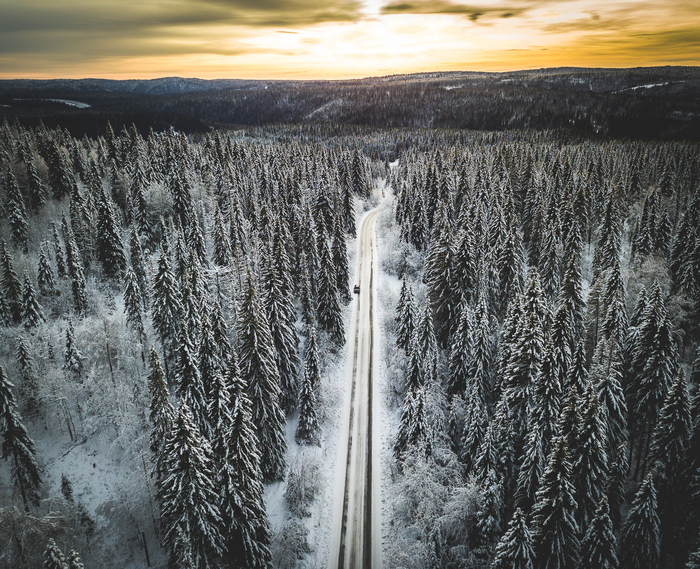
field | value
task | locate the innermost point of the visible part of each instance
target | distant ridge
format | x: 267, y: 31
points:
x: 646, y: 102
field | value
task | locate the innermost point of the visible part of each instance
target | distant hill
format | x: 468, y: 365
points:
x: 654, y: 102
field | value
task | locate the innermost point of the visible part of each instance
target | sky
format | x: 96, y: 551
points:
x: 336, y: 39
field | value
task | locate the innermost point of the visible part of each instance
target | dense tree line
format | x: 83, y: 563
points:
x: 548, y: 335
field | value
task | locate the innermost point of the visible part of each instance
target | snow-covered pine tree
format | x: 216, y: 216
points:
x: 511, y: 270
x: 53, y: 556
x: 425, y: 346
x: 599, y: 543
x: 58, y: 252
x: 219, y: 329
x: 578, y: 370
x: 531, y: 467
x: 606, y: 377
x: 188, y: 494
x: 161, y: 415
x: 514, y: 550
x: 547, y: 396
x: 222, y: 245
x: 615, y: 321
x: 182, y: 198
x: 668, y: 449
x: 260, y: 374
x: 281, y: 316
x: 11, y: 286
x: 17, y: 446
x: 655, y: 364
x: 407, y: 414
x: 554, y: 527
x: 36, y: 187
x: 29, y: 386
x: 617, y: 481
x: 138, y: 264
x: 474, y: 429
x: 672, y: 432
x: 188, y: 382
x: 438, y: 278
x: 133, y: 303
x: 571, y: 297
x: 45, y: 277
x: 74, y: 560
x: 74, y: 268
x: 16, y: 212
x: 72, y: 357
x: 590, y: 464
x: 307, y: 432
x: 460, y: 357
x: 340, y: 260
x: 32, y: 313
x: 329, y: 311
x: 523, y: 366
x: 481, y: 360
x: 488, y: 516
x: 464, y: 267
x: 405, y: 317
x: 640, y: 545
x: 166, y: 308
x: 246, y: 528
x: 108, y: 240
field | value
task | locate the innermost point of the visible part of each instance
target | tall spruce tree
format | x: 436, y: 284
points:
x: 640, y: 542
x: 329, y: 311
x: 133, y: 303
x: 307, y: 432
x: 29, y: 384
x: 246, y: 527
x: 281, y: 317
x: 45, y: 277
x: 11, y: 286
x: 53, y: 556
x: 438, y: 278
x: 74, y: 268
x: 32, y: 313
x: 554, y: 528
x: 161, y: 415
x: 16, y: 212
x: 189, y: 385
x: 166, y: 307
x: 460, y: 357
x: 599, y: 542
x: 188, y: 494
x: 72, y: 357
x: 405, y: 317
x: 514, y: 550
x: 260, y: 374
x: 109, y: 244
x: 17, y: 446
x: 590, y: 465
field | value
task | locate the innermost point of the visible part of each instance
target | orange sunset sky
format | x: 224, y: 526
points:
x: 295, y: 39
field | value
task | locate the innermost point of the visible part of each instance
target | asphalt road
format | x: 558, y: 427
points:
x: 357, y: 539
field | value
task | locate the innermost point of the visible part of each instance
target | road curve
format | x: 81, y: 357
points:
x: 356, y: 542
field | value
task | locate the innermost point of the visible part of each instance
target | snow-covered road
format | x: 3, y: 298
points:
x: 356, y: 542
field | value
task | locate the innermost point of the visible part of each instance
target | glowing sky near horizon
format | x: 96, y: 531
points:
x: 295, y: 39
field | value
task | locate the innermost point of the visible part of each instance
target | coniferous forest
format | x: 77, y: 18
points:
x: 173, y: 306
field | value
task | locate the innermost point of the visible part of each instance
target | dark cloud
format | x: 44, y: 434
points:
x: 473, y: 12
x: 83, y: 31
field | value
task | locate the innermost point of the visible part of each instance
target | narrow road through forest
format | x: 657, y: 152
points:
x: 356, y: 542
